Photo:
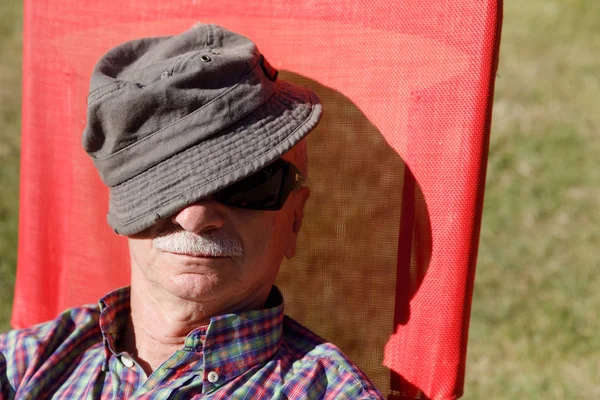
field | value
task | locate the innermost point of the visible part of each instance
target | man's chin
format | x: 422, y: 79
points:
x: 196, y: 287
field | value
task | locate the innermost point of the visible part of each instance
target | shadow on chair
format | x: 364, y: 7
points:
x: 343, y: 281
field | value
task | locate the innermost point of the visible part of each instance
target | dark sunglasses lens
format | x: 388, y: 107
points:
x: 267, y: 189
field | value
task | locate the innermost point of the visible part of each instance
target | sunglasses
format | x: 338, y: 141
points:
x: 267, y: 189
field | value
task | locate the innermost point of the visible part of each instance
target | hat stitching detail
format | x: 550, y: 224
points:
x: 293, y: 110
x: 177, y: 62
x: 108, y: 157
x: 127, y: 223
x: 191, y: 140
x: 209, y: 36
x: 212, y: 131
x: 94, y: 96
x: 184, y: 58
x: 217, y: 166
x: 99, y: 88
x: 204, y: 183
x: 206, y: 179
x: 198, y: 153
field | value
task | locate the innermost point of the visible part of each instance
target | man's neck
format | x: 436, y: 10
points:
x: 159, y: 323
x: 156, y: 329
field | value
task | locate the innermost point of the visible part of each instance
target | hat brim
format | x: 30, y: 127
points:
x: 215, y: 163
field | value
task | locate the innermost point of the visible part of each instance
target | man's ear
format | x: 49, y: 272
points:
x: 304, y: 194
x: 300, y: 198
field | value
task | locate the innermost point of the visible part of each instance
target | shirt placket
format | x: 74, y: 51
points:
x: 183, y: 368
x: 126, y: 376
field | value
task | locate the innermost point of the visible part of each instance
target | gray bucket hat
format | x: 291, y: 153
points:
x: 173, y: 119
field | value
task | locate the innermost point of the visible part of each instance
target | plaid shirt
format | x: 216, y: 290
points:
x: 252, y: 355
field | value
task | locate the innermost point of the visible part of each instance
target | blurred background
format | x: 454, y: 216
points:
x: 536, y: 308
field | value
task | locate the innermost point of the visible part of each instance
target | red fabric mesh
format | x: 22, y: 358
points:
x: 387, y: 255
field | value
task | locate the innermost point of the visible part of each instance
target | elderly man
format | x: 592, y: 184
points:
x: 201, y: 147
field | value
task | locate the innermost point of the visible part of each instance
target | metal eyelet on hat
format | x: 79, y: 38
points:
x: 205, y: 58
x: 164, y: 75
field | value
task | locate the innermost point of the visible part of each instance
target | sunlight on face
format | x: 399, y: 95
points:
x: 210, y: 252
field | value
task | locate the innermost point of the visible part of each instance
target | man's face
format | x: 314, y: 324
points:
x: 232, y: 255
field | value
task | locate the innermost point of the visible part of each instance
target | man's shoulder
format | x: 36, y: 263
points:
x: 69, y: 322
x: 24, y: 351
x: 305, y: 344
x: 314, y: 355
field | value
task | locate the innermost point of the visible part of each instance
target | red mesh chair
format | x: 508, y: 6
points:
x: 397, y: 168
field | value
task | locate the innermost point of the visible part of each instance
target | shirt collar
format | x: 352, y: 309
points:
x: 114, y: 313
x: 231, y: 344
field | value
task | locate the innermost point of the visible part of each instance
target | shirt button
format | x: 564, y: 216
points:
x: 213, y: 377
x: 127, y: 361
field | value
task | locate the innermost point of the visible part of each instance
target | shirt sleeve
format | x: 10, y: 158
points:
x: 24, y: 352
x: 6, y: 391
x: 14, y: 358
x: 347, y: 382
x: 328, y: 379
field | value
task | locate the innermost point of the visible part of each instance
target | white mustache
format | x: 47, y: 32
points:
x: 206, y: 244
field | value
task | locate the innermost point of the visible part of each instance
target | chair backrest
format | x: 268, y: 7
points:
x: 397, y: 167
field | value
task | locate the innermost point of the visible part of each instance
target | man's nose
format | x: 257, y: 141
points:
x: 202, y: 216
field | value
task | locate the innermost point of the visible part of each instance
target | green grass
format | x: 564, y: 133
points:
x: 536, y: 308
x: 11, y: 16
